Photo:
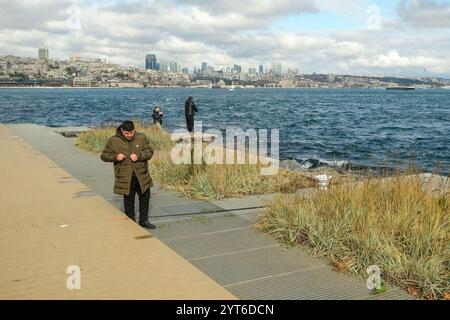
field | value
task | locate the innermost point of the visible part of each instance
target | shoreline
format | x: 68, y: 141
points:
x: 221, y: 89
x: 308, y: 165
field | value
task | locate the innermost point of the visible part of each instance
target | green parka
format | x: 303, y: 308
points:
x: 123, y: 171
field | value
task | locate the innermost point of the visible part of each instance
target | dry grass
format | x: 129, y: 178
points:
x: 201, y: 181
x: 95, y: 140
x: 391, y: 223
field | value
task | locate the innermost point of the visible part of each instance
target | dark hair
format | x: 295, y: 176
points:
x: 127, y: 126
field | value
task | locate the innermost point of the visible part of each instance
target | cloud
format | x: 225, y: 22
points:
x: 224, y: 33
x: 425, y: 13
x: 262, y: 9
x: 26, y: 15
x: 393, y: 59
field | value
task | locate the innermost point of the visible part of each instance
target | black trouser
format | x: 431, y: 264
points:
x: 144, y: 200
x: 190, y: 123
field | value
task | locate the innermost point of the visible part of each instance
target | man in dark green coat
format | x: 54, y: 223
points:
x: 130, y: 151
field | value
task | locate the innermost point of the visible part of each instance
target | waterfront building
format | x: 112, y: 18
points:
x: 286, y: 84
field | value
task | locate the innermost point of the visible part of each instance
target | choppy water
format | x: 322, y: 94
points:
x: 363, y: 126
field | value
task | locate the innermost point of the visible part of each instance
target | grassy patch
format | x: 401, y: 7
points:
x: 201, y: 181
x: 95, y: 140
x: 391, y: 223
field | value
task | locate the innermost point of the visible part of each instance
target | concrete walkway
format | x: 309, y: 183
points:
x: 216, y: 236
x: 51, y: 221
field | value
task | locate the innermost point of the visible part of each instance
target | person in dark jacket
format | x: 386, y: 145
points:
x: 189, y: 110
x: 157, y: 115
x: 129, y: 151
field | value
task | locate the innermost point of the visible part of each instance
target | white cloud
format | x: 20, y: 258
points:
x: 30, y: 14
x: 425, y: 13
x: 223, y: 33
x: 393, y: 59
x: 256, y: 8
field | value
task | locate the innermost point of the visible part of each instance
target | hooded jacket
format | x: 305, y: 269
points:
x: 123, y: 170
x: 189, y: 107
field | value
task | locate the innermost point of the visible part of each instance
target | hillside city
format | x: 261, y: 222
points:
x: 95, y: 72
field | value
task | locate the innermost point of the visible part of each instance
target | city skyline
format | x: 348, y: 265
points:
x: 401, y: 38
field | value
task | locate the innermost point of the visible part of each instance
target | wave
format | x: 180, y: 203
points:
x: 312, y: 163
x: 296, y: 164
x: 338, y: 165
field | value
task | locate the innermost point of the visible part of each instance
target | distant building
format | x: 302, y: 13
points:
x: 204, y: 67
x: 237, y: 68
x: 151, y: 63
x: 43, y: 53
x: 261, y: 69
x: 286, y: 84
x: 163, y: 66
x: 331, y: 77
x: 173, y: 66
x: 276, y: 68
x: 185, y: 70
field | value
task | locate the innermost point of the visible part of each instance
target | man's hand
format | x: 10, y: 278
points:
x: 120, y: 157
x: 134, y: 157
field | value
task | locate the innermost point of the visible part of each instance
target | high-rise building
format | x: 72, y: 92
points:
x: 331, y: 77
x: 237, y: 68
x: 163, y: 66
x: 204, y: 67
x: 261, y: 69
x: 185, y: 70
x: 173, y: 66
x: 43, y: 54
x: 151, y: 63
x: 276, y: 68
x: 279, y: 69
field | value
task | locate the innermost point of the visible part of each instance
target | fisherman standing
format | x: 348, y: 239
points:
x: 189, y: 110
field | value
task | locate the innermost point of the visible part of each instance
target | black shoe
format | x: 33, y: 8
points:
x: 146, y: 224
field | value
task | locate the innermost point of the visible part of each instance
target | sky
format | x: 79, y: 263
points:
x: 377, y: 37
